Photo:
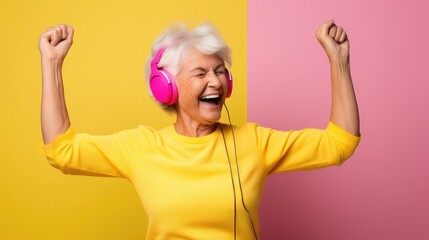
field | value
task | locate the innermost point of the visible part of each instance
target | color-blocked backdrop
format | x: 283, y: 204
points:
x: 105, y: 92
x: 383, y: 191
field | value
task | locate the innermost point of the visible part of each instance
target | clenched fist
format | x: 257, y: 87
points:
x: 55, y: 42
x: 334, y: 40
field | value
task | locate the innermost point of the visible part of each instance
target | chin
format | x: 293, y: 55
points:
x: 211, y: 118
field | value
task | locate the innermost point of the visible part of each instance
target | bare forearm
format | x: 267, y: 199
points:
x: 344, y: 109
x: 54, y: 116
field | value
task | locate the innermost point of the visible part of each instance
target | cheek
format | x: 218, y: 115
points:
x: 190, y: 91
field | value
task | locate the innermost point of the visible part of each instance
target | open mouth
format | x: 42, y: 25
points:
x: 213, y: 99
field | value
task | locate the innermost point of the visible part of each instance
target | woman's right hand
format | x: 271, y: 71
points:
x: 55, y: 42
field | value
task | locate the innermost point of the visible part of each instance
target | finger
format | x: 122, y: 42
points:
x: 63, y: 29
x: 343, y: 37
x: 338, y: 34
x: 70, y: 33
x: 333, y: 31
x: 55, y: 37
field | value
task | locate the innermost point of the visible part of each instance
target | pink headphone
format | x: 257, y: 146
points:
x: 162, y: 84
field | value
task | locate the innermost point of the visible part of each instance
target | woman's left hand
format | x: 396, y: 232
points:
x: 334, y: 40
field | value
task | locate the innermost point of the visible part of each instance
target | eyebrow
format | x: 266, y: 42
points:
x: 205, y: 70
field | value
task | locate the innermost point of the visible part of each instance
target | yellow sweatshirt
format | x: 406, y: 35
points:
x: 184, y: 183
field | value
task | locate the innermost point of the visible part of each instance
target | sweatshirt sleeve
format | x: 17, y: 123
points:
x: 305, y: 149
x: 84, y: 154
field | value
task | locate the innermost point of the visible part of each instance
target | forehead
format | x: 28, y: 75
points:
x: 195, y: 58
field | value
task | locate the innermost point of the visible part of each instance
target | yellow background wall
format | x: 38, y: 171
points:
x: 105, y: 92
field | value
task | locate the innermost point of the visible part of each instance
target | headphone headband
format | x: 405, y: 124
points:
x: 158, y: 56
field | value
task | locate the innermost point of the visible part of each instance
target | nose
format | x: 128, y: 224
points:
x: 214, y: 81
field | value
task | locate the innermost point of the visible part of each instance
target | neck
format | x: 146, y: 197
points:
x: 192, y: 129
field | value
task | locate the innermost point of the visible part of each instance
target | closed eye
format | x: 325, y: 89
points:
x: 220, y: 70
x: 219, y: 73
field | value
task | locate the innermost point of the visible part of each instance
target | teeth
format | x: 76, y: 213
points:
x: 211, y: 96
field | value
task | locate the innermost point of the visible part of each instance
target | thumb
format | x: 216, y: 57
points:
x: 324, y: 28
x: 326, y: 33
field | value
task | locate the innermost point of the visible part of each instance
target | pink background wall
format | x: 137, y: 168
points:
x: 382, y: 192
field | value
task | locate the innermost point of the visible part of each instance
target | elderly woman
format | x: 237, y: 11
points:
x: 199, y: 178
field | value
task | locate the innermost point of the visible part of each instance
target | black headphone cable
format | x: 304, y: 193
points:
x: 239, y: 178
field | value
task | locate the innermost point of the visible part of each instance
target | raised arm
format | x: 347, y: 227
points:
x: 344, y: 108
x: 54, y: 44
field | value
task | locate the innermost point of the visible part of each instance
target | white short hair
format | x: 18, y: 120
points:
x: 179, y: 40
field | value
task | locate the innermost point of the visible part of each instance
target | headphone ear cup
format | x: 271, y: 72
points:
x: 161, y: 82
x: 163, y: 87
x: 229, y: 81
